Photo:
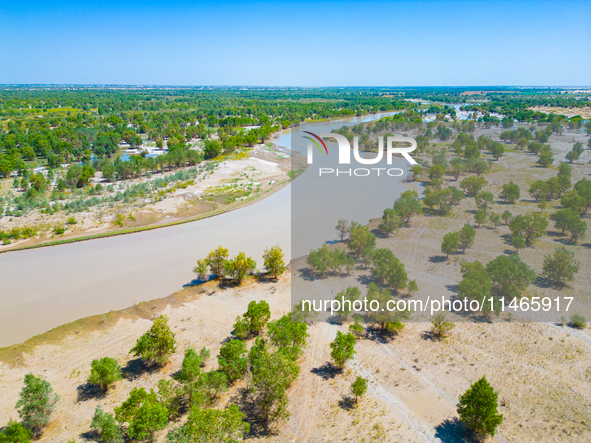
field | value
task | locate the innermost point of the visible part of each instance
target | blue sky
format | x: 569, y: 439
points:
x: 400, y: 43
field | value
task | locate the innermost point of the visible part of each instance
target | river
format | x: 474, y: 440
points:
x: 47, y: 287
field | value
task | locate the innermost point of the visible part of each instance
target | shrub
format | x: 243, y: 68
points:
x: 233, y: 359
x: 477, y: 408
x: 144, y: 414
x: 343, y: 348
x: 36, y: 403
x: 561, y: 266
x: 156, y: 345
x: 578, y: 321
x: 274, y: 261
x: 15, y: 433
x: 214, y: 425
x: 440, y: 328
x: 104, y: 372
x: 105, y: 425
x: 359, y: 387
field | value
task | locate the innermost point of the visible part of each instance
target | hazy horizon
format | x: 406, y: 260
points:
x: 308, y: 44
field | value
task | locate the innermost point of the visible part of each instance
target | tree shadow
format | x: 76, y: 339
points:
x: 453, y: 288
x: 543, y: 282
x: 347, y: 403
x: 429, y: 335
x: 451, y: 431
x: 134, y: 369
x: 264, y: 278
x: 309, y: 274
x: 565, y: 241
x: 378, y: 233
x: 554, y: 234
x: 327, y: 371
x: 510, y: 252
x: 90, y: 435
x: 437, y: 259
x: 244, y: 398
x: 335, y: 320
x: 88, y: 391
x: 198, y: 281
x: 366, y: 279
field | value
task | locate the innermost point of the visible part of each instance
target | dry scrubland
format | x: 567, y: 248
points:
x: 231, y: 184
x: 542, y: 373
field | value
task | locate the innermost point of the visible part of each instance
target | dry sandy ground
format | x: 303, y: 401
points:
x: 542, y: 373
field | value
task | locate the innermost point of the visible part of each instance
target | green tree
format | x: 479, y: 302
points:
x: 407, y: 206
x: 156, y: 345
x: 478, y: 407
x: 215, y: 425
x: 539, y: 189
x: 212, y: 384
x: 257, y: 314
x: 360, y: 239
x: 342, y: 348
x: 387, y: 269
x: 104, y: 372
x: 561, y: 266
x: 272, y: 375
x: 476, y: 282
x: 506, y: 216
x: 190, y: 367
x: 531, y: 226
x: 274, y: 261
x: 390, y: 221
x: 563, y: 218
x: 437, y: 171
x: 346, y: 297
x: 510, y: 276
x: 201, y: 269
x: 15, y: 432
x: 484, y: 200
x: 497, y: 150
x: 577, y: 228
x: 144, y: 414
x: 240, y: 266
x: 289, y: 336
x: 216, y: 260
x: 233, y: 359
x: 451, y: 242
x: 106, y: 427
x: 518, y: 242
x: 417, y: 171
x: 480, y: 217
x: 170, y: 395
x: 387, y: 322
x: 359, y: 388
x: 467, y: 235
x: 546, y: 157
x: 473, y: 185
x: 36, y: 403
x: 412, y: 287
x: 510, y: 192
